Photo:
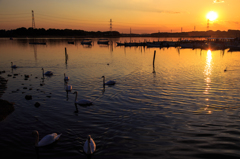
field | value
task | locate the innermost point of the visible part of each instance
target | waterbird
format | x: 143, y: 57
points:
x: 66, y: 78
x: 82, y: 101
x: 48, y: 73
x: 109, y: 82
x: 225, y: 69
x: 13, y: 66
x: 26, y: 76
x: 89, y: 146
x: 46, y: 140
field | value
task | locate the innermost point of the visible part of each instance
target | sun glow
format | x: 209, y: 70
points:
x: 212, y: 15
x: 208, y: 63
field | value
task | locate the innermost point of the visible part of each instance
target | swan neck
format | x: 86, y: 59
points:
x: 37, y: 140
x: 76, y: 96
x: 103, y: 80
x: 89, y: 147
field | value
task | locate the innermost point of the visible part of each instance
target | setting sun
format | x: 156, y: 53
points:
x: 212, y: 15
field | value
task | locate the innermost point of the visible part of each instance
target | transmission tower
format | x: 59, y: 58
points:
x: 33, y: 21
x: 207, y: 24
x: 110, y: 24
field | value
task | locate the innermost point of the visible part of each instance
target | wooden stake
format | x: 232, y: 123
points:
x: 154, y: 57
x: 66, y: 55
x: 154, y: 61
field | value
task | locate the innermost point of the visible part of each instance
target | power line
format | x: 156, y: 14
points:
x: 64, y: 21
x: 54, y: 17
x: 14, y: 20
x: 14, y: 14
x: 57, y: 18
x: 14, y: 17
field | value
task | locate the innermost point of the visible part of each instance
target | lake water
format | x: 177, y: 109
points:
x: 188, y: 108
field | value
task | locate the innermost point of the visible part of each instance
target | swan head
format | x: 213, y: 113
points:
x: 35, y: 132
x: 89, y: 138
x: 75, y: 92
x: 36, y: 135
x: 103, y: 76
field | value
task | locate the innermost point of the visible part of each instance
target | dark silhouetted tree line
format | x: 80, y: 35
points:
x: 41, y: 32
x: 210, y: 33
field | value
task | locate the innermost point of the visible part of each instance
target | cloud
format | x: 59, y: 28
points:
x: 218, y: 1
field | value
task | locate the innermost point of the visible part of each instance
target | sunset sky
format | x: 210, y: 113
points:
x: 142, y: 16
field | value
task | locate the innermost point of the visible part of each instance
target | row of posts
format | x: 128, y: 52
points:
x: 154, y: 55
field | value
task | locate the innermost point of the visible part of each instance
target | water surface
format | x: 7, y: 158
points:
x: 188, y: 108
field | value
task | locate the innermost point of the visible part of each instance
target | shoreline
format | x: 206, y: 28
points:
x: 6, y: 107
x: 3, y: 85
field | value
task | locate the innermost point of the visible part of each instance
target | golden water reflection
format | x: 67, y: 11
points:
x: 207, y: 74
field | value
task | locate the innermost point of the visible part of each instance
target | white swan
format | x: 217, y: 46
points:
x: 68, y: 88
x: 89, y: 146
x: 109, y: 82
x: 48, y: 73
x: 66, y: 78
x: 13, y: 66
x: 82, y: 101
x: 46, y: 140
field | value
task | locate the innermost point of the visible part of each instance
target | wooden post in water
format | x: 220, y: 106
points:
x: 66, y: 55
x: 65, y: 52
x: 154, y: 57
x: 154, y: 61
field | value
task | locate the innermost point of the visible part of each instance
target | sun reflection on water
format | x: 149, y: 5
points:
x: 207, y: 74
x: 208, y: 67
x: 208, y: 70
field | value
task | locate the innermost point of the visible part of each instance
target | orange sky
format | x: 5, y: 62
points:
x: 142, y: 16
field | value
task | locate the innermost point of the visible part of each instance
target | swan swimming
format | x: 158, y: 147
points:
x: 82, y: 101
x: 89, y: 146
x: 109, y: 82
x: 48, y: 73
x: 66, y: 78
x: 13, y: 66
x: 46, y: 140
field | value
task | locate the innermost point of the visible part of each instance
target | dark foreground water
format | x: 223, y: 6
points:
x: 188, y: 108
